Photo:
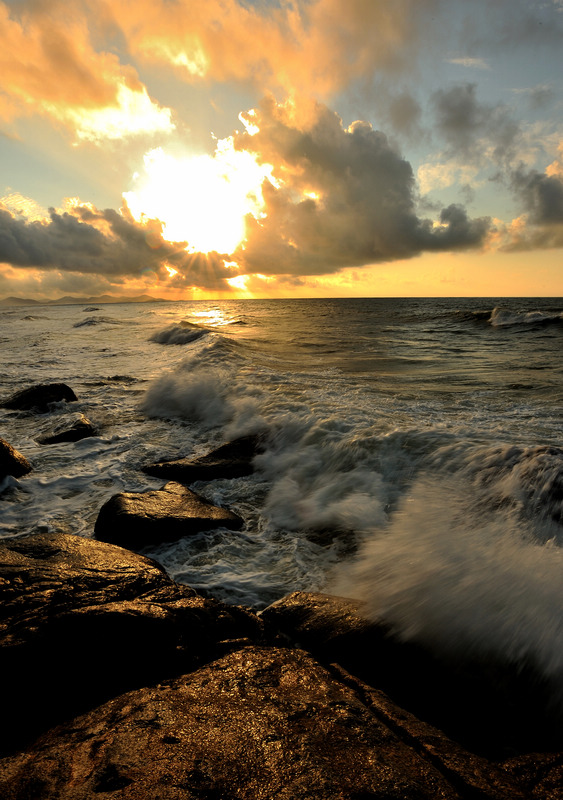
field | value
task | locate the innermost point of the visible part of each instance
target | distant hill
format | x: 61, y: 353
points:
x: 69, y: 300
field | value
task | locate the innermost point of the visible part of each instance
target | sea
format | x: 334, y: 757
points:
x: 413, y: 450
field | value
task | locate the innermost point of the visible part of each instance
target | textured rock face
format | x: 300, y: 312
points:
x: 70, y: 429
x: 258, y: 724
x: 39, y: 397
x: 137, y: 519
x: 12, y: 462
x: 81, y: 621
x: 492, y: 708
x: 231, y: 460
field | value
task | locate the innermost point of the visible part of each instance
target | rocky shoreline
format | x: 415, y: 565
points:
x: 120, y: 682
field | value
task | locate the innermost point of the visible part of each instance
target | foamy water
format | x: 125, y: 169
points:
x: 411, y: 460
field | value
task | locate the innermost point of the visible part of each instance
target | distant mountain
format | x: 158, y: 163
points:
x: 69, y: 300
x: 18, y: 301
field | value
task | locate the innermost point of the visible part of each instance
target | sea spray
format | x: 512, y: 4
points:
x: 464, y: 580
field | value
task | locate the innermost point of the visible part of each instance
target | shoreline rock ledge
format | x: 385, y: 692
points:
x: 121, y: 683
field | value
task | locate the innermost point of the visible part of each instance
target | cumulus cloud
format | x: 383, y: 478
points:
x: 540, y: 194
x: 104, y: 243
x: 345, y: 197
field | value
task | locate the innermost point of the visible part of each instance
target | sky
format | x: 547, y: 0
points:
x: 281, y: 148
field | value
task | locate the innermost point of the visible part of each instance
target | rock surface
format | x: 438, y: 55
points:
x: 12, y: 462
x: 81, y: 621
x: 72, y: 428
x: 138, y: 519
x: 231, y: 460
x: 39, y: 397
x: 492, y: 708
x: 258, y: 724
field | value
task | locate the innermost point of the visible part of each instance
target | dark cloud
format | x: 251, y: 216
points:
x: 541, y: 226
x: 105, y: 243
x: 541, y: 195
x: 474, y: 130
x: 348, y: 198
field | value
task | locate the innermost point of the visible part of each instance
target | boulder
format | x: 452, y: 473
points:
x: 71, y: 428
x: 231, y: 460
x: 82, y: 621
x: 12, y: 462
x: 38, y: 398
x: 259, y: 723
x: 138, y: 519
x: 493, y: 708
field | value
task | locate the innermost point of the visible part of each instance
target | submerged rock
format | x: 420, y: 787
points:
x: 231, y: 460
x: 138, y: 519
x: 489, y: 706
x: 69, y: 429
x: 260, y: 723
x: 39, y: 397
x: 12, y: 462
x: 82, y: 621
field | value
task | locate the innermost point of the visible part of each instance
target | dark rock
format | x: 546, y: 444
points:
x: 258, y: 724
x: 541, y: 774
x: 70, y: 429
x: 138, y: 519
x: 231, y: 460
x: 39, y: 397
x: 82, y: 621
x: 12, y: 462
x: 491, y: 707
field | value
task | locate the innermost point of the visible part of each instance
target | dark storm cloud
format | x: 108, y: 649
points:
x: 473, y: 130
x: 105, y: 243
x: 348, y: 197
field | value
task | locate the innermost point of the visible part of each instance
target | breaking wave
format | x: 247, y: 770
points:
x: 503, y: 318
x: 181, y: 333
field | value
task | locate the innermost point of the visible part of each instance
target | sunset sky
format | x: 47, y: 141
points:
x: 279, y: 148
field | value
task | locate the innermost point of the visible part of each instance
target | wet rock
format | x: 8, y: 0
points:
x: 231, y: 460
x: 493, y: 708
x: 38, y: 398
x: 72, y: 428
x: 12, y: 462
x: 138, y: 519
x: 258, y: 724
x: 82, y: 621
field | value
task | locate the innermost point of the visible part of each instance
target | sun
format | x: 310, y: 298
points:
x: 202, y: 199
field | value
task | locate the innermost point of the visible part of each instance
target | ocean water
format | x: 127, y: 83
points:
x: 412, y: 450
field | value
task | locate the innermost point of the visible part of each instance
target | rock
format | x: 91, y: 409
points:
x: 541, y: 774
x: 492, y: 708
x: 12, y: 462
x: 138, y: 519
x: 82, y: 621
x: 231, y: 460
x: 39, y: 397
x: 258, y: 724
x: 71, y: 428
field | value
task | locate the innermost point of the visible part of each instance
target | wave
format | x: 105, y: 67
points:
x: 503, y: 318
x: 97, y: 321
x: 182, y: 333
